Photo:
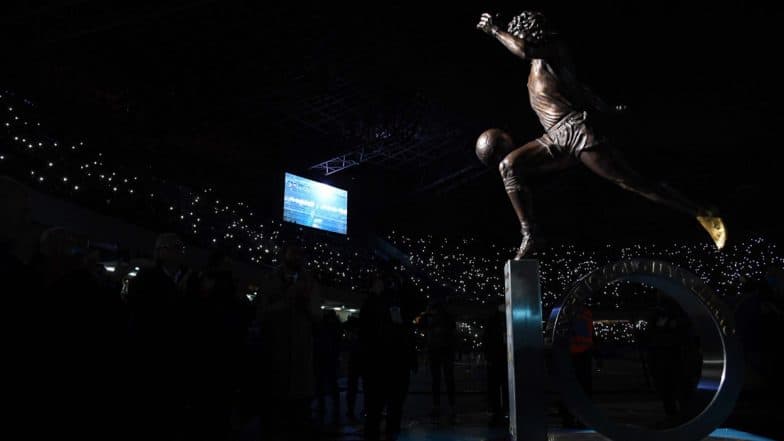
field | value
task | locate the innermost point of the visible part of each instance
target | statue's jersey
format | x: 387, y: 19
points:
x: 545, y: 92
x: 554, y: 91
x: 562, y: 104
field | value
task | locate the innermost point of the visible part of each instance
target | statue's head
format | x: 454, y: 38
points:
x: 492, y: 146
x: 531, y: 26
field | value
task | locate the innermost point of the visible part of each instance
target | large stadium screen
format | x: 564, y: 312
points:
x: 315, y: 205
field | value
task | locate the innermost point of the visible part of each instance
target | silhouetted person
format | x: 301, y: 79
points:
x: 354, y: 366
x: 759, y: 315
x: 327, y: 357
x: 441, y: 337
x: 24, y: 361
x: 748, y: 312
x: 289, y: 310
x: 156, y: 338
x: 388, y: 353
x: 216, y: 326
x: 15, y: 273
x: 581, y: 347
x: 673, y: 355
x: 771, y: 318
x: 494, y: 343
x: 83, y: 328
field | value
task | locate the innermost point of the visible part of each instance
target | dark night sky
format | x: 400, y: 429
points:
x: 230, y: 94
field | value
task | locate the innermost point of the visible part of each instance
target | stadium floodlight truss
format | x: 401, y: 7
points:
x: 390, y: 152
x: 348, y: 160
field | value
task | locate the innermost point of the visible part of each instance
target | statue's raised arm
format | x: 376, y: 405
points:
x: 524, y: 37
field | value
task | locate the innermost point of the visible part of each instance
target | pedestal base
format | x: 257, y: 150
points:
x: 525, y: 351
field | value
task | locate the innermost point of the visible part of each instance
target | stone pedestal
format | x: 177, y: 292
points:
x: 525, y: 351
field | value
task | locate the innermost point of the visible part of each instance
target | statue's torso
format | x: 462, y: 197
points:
x: 549, y: 83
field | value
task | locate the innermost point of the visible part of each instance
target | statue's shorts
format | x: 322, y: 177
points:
x: 571, y: 135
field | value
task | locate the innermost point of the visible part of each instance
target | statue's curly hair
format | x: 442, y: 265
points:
x: 530, y: 25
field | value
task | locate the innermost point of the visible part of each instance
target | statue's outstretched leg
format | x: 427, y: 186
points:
x: 607, y: 162
x: 532, y: 158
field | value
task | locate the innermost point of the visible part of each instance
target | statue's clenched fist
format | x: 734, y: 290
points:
x: 486, y: 23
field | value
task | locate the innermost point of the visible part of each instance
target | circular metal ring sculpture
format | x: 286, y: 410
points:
x: 722, y: 368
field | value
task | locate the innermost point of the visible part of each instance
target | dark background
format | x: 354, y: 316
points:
x: 231, y: 94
